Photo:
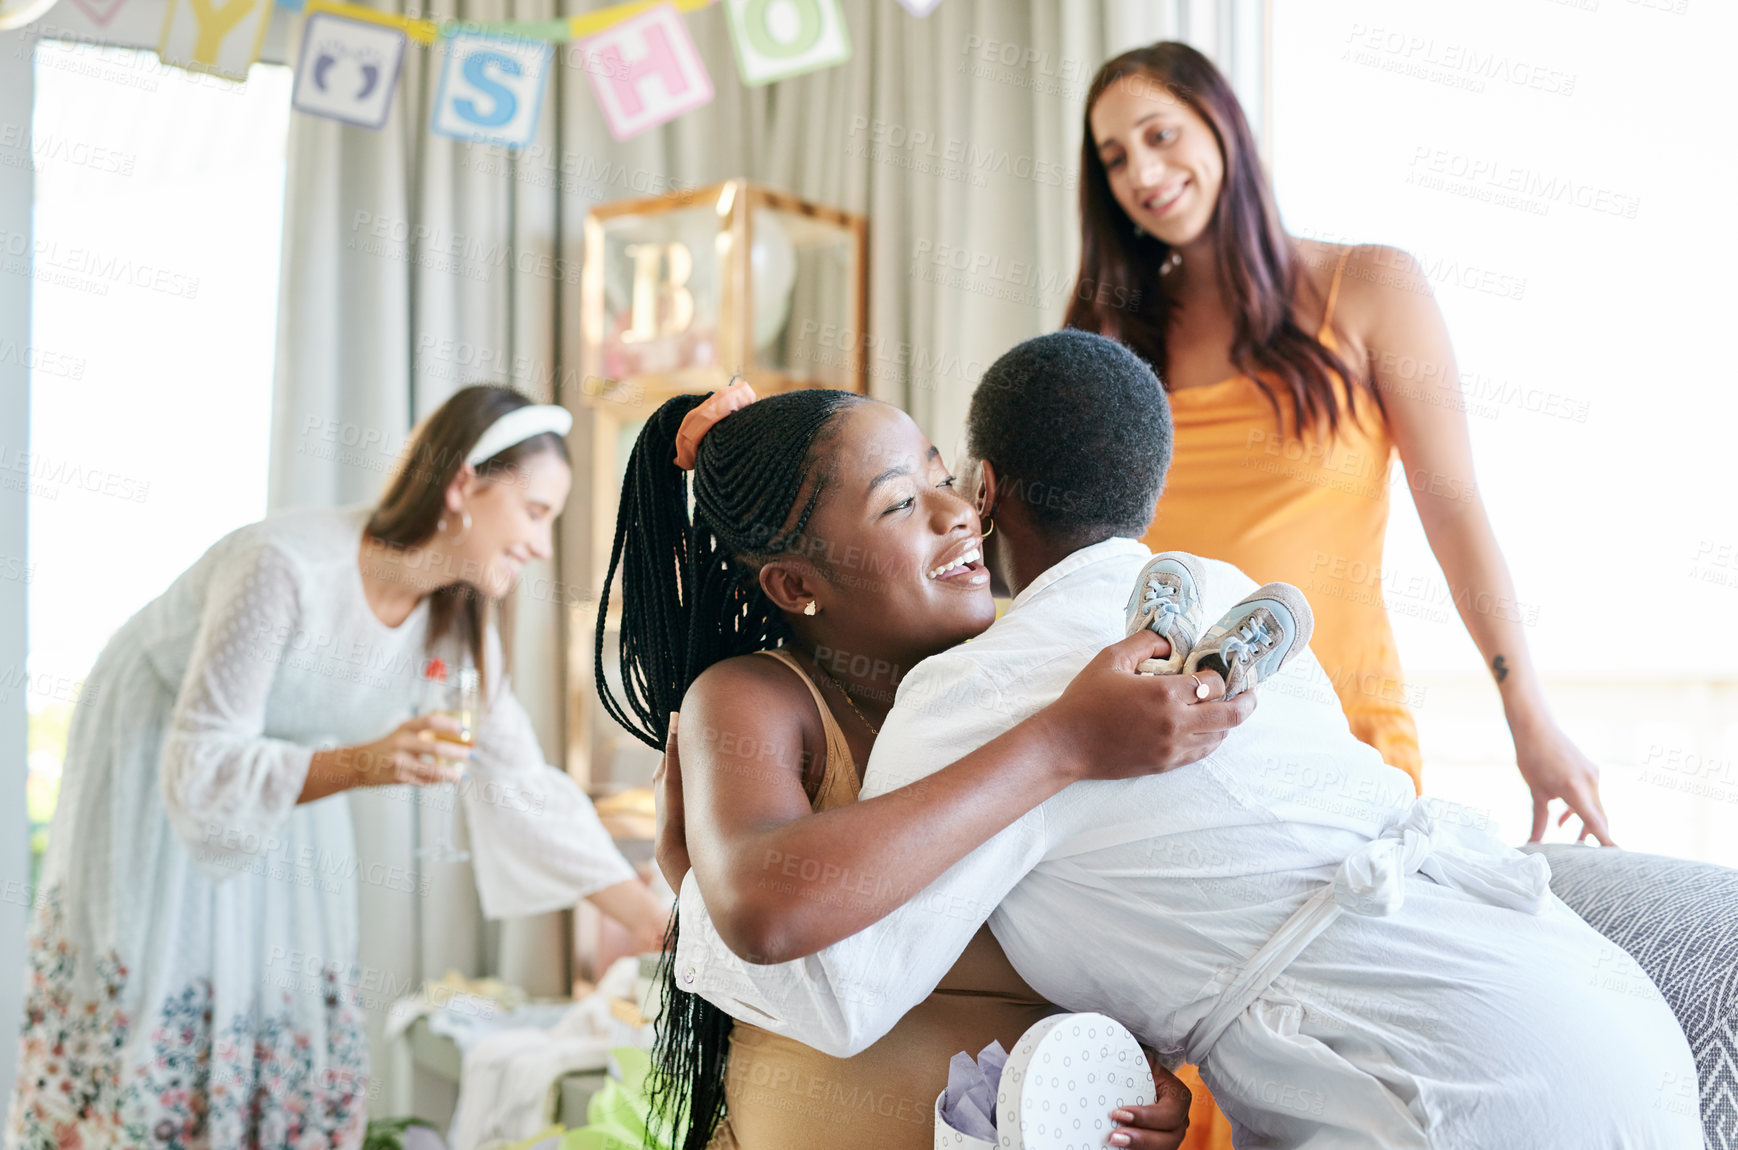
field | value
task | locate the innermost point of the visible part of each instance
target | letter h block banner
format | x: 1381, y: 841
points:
x: 491, y: 89
x: 645, y: 71
x: 779, y: 38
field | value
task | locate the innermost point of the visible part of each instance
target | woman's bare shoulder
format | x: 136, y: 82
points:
x: 1377, y: 282
x: 750, y: 700
x: 1316, y: 262
x: 1365, y: 265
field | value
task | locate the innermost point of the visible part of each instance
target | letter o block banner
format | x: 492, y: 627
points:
x: 779, y: 38
x: 645, y: 71
x: 222, y: 37
x: 491, y: 89
x: 348, y: 70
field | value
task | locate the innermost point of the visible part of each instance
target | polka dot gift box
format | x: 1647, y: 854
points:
x: 1062, y: 1080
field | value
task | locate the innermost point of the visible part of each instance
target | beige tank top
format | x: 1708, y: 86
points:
x: 782, y: 1095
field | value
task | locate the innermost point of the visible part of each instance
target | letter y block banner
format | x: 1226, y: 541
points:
x: 222, y: 37
x: 491, y: 89
x: 645, y: 71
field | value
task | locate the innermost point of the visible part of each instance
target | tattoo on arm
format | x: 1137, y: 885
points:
x: 1499, y: 668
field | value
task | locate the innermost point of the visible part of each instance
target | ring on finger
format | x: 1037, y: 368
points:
x: 1201, y: 691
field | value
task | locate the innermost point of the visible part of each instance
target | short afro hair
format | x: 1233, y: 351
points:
x: 1079, y: 430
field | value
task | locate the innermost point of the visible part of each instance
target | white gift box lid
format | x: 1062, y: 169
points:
x: 1062, y: 1080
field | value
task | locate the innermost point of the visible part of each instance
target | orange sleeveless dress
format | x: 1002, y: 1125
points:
x: 1310, y: 510
x: 782, y: 1095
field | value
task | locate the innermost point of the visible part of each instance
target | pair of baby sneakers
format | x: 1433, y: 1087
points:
x: 1248, y: 645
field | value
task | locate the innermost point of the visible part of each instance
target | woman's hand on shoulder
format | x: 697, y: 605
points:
x: 1114, y: 723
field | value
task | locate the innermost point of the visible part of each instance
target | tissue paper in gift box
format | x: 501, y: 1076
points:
x: 965, y: 1112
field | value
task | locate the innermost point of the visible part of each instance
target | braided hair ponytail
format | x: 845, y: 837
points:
x: 691, y: 597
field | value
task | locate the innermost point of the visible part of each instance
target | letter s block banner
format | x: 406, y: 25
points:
x: 491, y: 89
x: 645, y: 71
x: 348, y: 70
x: 779, y: 38
x: 222, y: 37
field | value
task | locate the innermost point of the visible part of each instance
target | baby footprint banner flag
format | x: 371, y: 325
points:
x: 348, y: 70
x: 222, y: 37
x: 779, y: 38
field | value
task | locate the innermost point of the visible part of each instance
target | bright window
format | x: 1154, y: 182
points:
x: 1549, y: 164
x: 158, y: 219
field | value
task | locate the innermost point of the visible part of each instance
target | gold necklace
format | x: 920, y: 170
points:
x: 840, y: 687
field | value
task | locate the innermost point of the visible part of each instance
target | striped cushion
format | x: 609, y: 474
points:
x: 1679, y: 920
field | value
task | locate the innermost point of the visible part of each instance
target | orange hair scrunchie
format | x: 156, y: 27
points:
x: 699, y: 421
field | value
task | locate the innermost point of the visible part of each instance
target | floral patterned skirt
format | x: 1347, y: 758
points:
x: 186, y: 1078
x: 165, y: 1006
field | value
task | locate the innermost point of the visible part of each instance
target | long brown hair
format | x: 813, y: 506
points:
x: 409, y: 512
x: 1257, y: 268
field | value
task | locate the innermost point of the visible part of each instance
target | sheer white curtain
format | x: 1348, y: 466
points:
x: 415, y: 264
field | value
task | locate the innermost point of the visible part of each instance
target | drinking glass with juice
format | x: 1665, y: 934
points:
x: 454, y: 695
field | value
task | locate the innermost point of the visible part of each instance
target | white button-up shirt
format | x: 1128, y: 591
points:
x: 1346, y: 967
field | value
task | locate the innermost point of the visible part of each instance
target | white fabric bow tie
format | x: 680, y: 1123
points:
x: 1440, y: 841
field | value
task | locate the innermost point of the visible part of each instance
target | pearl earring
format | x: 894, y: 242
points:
x: 811, y: 609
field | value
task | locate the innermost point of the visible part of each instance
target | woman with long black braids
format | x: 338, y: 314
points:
x: 827, y: 553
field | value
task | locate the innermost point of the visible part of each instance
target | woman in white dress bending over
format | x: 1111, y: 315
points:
x: 202, y: 835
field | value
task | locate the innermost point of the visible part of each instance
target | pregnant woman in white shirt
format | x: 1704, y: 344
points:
x: 1348, y: 969
x: 201, y: 832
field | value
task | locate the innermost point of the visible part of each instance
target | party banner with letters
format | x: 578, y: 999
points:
x: 776, y: 39
x: 222, y: 37
x: 348, y: 70
x: 491, y: 88
x: 645, y: 71
x: 642, y: 62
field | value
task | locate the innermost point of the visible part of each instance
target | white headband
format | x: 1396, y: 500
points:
x: 517, y: 426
